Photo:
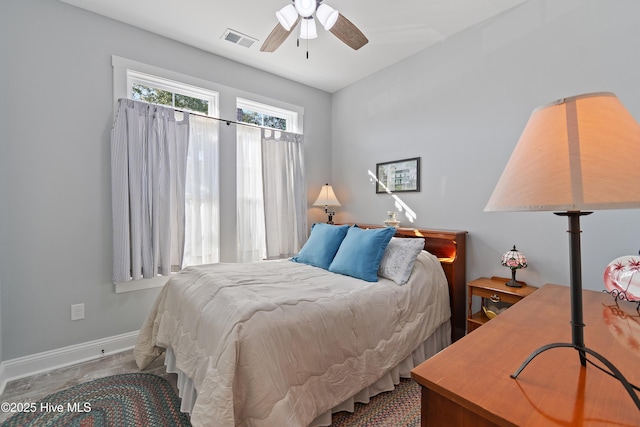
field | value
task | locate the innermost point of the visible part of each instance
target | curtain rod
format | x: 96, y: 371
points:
x: 228, y: 122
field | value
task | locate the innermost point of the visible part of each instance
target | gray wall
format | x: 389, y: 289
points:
x: 461, y: 107
x: 4, y: 176
x: 56, y: 112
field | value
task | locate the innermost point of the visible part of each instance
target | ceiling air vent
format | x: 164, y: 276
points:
x: 238, y: 38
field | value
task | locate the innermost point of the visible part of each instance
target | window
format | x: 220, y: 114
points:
x: 266, y: 115
x: 202, y: 229
x: 251, y: 237
x: 201, y: 194
x: 137, y: 80
x: 158, y: 90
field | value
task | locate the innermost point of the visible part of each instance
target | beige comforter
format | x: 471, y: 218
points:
x: 276, y: 343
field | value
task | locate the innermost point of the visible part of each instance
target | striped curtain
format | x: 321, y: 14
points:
x: 148, y: 171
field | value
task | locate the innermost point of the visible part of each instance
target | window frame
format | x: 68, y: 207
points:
x: 121, y: 88
x: 125, y: 73
x: 121, y: 65
x: 290, y: 117
x: 156, y: 82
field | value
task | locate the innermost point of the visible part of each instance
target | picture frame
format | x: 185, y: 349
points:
x: 398, y: 176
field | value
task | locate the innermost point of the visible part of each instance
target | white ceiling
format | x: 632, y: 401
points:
x: 395, y: 31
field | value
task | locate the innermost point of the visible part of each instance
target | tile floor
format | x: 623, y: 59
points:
x: 33, y: 388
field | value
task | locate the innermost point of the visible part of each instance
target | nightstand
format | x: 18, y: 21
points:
x: 496, y: 291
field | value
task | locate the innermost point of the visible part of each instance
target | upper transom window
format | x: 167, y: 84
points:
x: 157, y: 90
x: 266, y: 115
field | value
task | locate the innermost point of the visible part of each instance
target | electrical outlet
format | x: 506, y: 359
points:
x: 77, y: 311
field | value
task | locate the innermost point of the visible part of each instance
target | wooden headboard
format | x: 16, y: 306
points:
x: 450, y: 247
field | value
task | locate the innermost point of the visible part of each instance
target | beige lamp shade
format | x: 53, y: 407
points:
x: 326, y: 197
x: 576, y: 154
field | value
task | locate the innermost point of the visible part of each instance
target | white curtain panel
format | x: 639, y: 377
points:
x: 250, y: 203
x: 202, y: 219
x: 285, y: 199
x: 148, y: 162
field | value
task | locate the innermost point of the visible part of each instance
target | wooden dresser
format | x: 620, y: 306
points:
x: 469, y: 383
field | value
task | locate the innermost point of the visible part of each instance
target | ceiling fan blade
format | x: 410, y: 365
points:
x: 277, y: 36
x: 346, y: 31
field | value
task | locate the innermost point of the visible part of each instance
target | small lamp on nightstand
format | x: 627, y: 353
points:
x: 514, y: 259
x: 327, y: 198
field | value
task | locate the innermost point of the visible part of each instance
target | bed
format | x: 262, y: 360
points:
x: 288, y: 343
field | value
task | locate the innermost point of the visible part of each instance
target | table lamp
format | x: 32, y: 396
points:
x: 514, y: 259
x: 327, y: 198
x: 574, y: 156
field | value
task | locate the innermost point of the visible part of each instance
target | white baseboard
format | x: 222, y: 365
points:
x: 42, y: 362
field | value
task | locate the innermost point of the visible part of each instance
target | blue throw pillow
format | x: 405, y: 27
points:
x: 360, y: 252
x: 322, y: 245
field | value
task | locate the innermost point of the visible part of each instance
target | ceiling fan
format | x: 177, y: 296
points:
x: 303, y: 10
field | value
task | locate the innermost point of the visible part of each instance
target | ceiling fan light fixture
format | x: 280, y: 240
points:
x: 308, y: 28
x: 287, y: 16
x: 305, y: 7
x: 327, y: 16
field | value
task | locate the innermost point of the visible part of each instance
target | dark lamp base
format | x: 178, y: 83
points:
x: 577, y: 324
x: 513, y: 283
x: 330, y: 215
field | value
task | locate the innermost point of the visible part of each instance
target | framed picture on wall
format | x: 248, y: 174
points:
x: 398, y: 176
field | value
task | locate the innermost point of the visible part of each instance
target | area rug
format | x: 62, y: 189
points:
x: 397, y: 408
x: 125, y: 400
x: 140, y: 399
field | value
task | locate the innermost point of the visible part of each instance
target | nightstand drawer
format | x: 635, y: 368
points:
x: 495, y: 296
x: 495, y: 292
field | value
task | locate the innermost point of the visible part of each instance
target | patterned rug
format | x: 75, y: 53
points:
x: 397, y: 408
x: 139, y: 399
x: 125, y: 400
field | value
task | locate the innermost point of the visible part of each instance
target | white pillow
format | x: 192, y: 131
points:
x: 399, y: 258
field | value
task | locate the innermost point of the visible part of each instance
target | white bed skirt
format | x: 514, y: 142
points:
x: 440, y: 339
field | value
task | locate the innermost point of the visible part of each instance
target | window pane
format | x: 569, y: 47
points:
x: 247, y: 116
x: 193, y: 104
x: 152, y: 95
x: 274, y: 122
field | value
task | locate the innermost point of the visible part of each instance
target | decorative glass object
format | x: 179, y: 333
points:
x: 392, y: 219
x: 622, y: 277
